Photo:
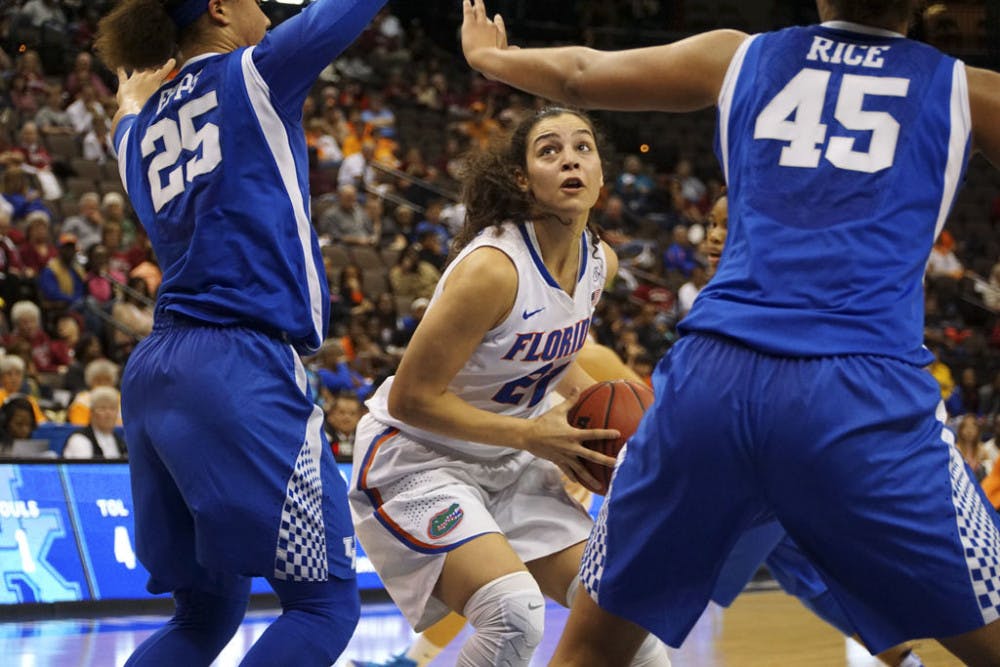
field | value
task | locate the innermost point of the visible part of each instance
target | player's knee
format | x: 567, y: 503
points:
x: 508, y: 614
x: 213, y: 617
x: 325, y: 612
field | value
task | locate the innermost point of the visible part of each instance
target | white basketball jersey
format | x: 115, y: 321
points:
x: 520, y: 361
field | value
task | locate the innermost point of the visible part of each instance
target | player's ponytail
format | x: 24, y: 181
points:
x: 137, y: 34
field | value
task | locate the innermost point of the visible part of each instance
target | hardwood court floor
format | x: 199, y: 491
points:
x: 768, y: 629
x: 761, y: 629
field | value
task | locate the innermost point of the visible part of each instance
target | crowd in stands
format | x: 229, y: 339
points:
x: 387, y: 126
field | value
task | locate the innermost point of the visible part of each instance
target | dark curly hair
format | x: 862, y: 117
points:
x: 490, y: 189
x: 139, y: 34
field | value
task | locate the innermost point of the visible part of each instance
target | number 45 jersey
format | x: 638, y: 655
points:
x: 216, y: 167
x: 519, y: 363
x: 843, y: 148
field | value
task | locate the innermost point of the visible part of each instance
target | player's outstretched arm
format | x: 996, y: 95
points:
x: 293, y: 54
x: 683, y: 76
x: 984, y: 101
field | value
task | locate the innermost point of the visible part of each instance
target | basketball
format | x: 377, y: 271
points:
x: 617, y: 404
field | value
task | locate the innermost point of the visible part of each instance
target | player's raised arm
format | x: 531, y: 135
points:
x: 683, y: 76
x: 292, y: 55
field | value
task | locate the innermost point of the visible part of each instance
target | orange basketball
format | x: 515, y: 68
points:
x: 617, y: 404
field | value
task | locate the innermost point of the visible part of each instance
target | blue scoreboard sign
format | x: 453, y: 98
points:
x: 39, y: 556
x: 67, y: 533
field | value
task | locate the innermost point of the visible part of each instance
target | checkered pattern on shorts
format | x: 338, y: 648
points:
x: 980, y: 539
x: 301, y: 554
x: 592, y: 565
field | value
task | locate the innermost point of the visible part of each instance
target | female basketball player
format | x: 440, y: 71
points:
x: 797, y: 389
x: 456, y: 494
x: 231, y: 475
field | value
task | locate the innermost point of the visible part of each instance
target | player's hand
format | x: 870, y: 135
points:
x: 136, y: 88
x: 551, y: 437
x: 480, y: 32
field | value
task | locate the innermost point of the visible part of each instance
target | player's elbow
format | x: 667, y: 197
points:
x: 404, y: 404
x: 575, y: 84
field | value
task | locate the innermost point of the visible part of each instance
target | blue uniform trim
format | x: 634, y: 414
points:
x: 375, y: 498
x: 536, y: 258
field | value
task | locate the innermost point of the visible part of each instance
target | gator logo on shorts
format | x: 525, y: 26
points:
x: 445, y: 521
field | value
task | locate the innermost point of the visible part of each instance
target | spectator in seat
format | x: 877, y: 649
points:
x: 98, y: 373
x: 52, y: 118
x: 968, y: 443
x: 47, y: 355
x: 347, y: 222
x: 11, y: 384
x: 86, y: 110
x: 99, y: 440
x: 62, y: 283
x: 413, y: 277
x: 88, y: 348
x: 37, y: 248
x: 83, y: 74
x: 342, y: 414
x: 88, y: 223
x: 114, y: 210
x: 17, y: 422
x: 97, y: 144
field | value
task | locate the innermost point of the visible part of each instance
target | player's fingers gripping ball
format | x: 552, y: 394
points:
x: 615, y: 404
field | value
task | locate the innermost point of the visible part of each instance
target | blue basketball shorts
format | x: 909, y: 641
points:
x: 231, y: 473
x: 848, y: 453
x: 768, y: 544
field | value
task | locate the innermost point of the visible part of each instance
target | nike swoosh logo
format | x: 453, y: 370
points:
x: 526, y: 314
x: 535, y: 606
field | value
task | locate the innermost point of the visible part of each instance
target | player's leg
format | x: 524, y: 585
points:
x: 424, y: 523
x: 978, y: 648
x: 209, y: 606
x: 486, y: 581
x: 208, y: 609
x: 557, y: 574
x: 682, y: 493
x: 262, y: 490
x: 879, y: 467
x: 617, y: 639
x: 319, y: 615
x: 798, y: 577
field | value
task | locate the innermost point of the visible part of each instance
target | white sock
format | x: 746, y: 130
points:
x: 652, y: 653
x: 422, y: 651
x: 911, y: 660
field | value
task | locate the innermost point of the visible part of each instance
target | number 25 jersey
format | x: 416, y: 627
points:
x: 216, y: 167
x: 843, y: 148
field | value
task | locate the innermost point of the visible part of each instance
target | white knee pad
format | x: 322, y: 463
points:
x: 509, y: 615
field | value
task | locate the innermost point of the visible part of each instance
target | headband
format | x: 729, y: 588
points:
x: 187, y: 12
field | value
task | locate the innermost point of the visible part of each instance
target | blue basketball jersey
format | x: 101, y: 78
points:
x: 843, y: 147
x: 216, y: 167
